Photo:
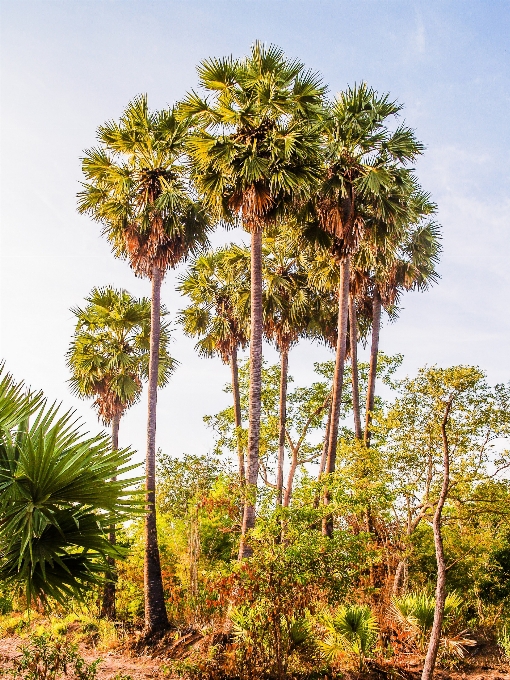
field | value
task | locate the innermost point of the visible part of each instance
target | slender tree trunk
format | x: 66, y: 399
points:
x: 399, y: 577
x: 353, y: 326
x: 338, y: 380
x: 324, y: 455
x: 237, y: 413
x: 156, y: 618
x: 290, y: 481
x: 252, y: 471
x: 435, y: 633
x: 284, y: 357
x: 372, y: 373
x: 108, y: 605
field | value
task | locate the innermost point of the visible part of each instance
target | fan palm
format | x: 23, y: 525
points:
x: 57, y: 499
x: 405, y: 264
x: 137, y: 189
x: 365, y: 173
x: 216, y: 317
x: 350, y: 630
x: 256, y: 149
x: 108, y: 359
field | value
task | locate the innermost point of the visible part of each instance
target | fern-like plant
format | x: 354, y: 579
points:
x: 352, y: 631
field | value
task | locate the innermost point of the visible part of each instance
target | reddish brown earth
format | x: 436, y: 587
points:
x: 141, y: 666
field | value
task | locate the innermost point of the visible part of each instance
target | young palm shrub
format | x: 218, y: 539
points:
x: 414, y: 612
x: 352, y: 631
x: 57, y: 502
x: 256, y: 150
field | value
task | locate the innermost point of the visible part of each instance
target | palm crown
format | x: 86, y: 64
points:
x: 255, y: 146
x: 136, y: 187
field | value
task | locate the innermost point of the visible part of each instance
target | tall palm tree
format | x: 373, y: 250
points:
x: 137, y: 189
x: 364, y: 171
x: 256, y: 149
x: 404, y: 265
x: 109, y: 358
x: 218, y: 317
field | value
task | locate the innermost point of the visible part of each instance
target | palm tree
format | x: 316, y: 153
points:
x: 217, y: 316
x: 108, y: 358
x: 256, y: 149
x: 364, y: 174
x: 137, y: 189
x: 57, y: 498
x: 408, y: 264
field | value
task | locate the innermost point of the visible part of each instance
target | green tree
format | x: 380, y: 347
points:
x: 256, y: 149
x: 217, y: 316
x: 365, y: 175
x: 109, y: 359
x: 57, y: 498
x: 137, y: 189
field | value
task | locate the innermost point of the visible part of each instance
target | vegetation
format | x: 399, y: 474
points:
x: 348, y: 524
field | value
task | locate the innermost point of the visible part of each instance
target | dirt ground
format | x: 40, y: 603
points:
x: 140, y: 667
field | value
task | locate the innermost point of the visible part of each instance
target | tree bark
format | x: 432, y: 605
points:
x: 237, y: 413
x: 435, y: 633
x: 338, y: 380
x: 108, y: 609
x: 372, y: 373
x: 324, y: 455
x: 252, y: 471
x: 353, y: 326
x: 156, y: 618
x: 398, y: 578
x: 282, y: 422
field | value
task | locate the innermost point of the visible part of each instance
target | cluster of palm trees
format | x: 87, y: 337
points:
x: 339, y: 228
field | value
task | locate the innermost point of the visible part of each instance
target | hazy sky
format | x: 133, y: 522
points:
x: 69, y: 65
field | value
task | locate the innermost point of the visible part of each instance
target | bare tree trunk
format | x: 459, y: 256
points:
x: 108, y: 605
x: 156, y: 618
x: 290, y: 480
x: 338, y: 380
x: 353, y: 326
x: 399, y: 577
x: 237, y: 413
x: 324, y: 455
x: 252, y: 471
x: 372, y: 373
x: 284, y: 357
x: 435, y: 633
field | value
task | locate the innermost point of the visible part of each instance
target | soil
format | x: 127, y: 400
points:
x: 140, y: 664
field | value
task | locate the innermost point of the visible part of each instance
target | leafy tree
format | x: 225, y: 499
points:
x: 136, y: 188
x: 109, y: 358
x: 57, y: 499
x: 364, y: 176
x: 217, y: 317
x: 256, y: 149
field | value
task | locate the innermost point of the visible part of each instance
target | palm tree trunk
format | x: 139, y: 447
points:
x: 338, y: 380
x: 237, y: 412
x: 108, y: 605
x: 324, y: 455
x: 372, y: 373
x: 353, y: 326
x: 290, y: 480
x: 252, y: 471
x: 156, y: 618
x: 284, y: 355
x: 435, y: 633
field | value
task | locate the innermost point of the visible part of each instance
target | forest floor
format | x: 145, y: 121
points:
x: 123, y: 662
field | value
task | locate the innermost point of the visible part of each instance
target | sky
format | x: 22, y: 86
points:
x: 67, y: 66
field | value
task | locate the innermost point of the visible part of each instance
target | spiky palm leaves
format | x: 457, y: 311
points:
x: 137, y: 189
x: 365, y: 176
x: 255, y: 150
x: 109, y: 354
x: 351, y: 630
x: 57, y: 499
x: 218, y: 317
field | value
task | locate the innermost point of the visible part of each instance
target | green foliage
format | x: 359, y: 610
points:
x: 415, y: 611
x: 109, y: 354
x: 504, y: 642
x: 350, y: 630
x: 57, y: 500
x: 44, y: 658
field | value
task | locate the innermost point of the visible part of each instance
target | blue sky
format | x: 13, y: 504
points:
x: 69, y: 65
